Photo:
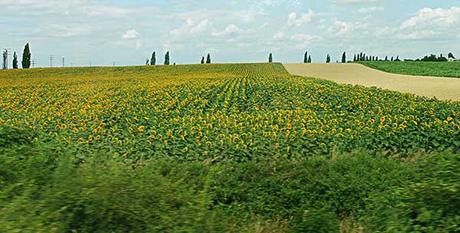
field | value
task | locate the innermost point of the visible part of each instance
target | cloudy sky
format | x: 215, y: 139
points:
x: 126, y: 32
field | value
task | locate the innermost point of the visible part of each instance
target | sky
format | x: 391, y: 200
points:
x: 104, y: 32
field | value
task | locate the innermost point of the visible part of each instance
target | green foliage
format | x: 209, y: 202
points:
x: 430, y: 203
x: 202, y: 60
x: 208, y: 59
x: 344, y: 57
x: 305, y: 57
x: 316, y: 221
x: 270, y: 58
x: 26, y: 57
x: 15, y: 61
x: 153, y: 59
x: 167, y: 58
x: 328, y: 59
x: 437, y: 69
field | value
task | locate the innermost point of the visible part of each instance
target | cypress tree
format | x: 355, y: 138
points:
x: 309, y: 58
x: 208, y: 59
x: 147, y: 62
x: 5, y: 59
x: 328, y: 59
x: 386, y: 58
x: 392, y: 59
x: 202, y: 60
x: 305, y: 57
x: 15, y: 61
x: 354, y: 58
x: 167, y: 58
x: 153, y: 60
x: 26, y: 56
x: 270, y: 58
x: 344, y: 57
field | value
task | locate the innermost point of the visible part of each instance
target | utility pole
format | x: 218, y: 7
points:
x: 51, y: 60
x: 63, y: 62
x: 33, y: 63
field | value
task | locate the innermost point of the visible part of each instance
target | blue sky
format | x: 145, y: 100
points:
x: 126, y: 32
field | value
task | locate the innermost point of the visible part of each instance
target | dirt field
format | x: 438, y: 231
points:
x: 441, y: 88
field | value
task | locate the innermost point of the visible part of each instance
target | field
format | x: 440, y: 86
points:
x: 214, y: 148
x: 358, y: 74
x: 434, y: 69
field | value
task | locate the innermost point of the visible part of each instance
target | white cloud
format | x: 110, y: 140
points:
x: 429, y: 23
x: 367, y: 10
x: 356, y: 1
x: 304, y: 40
x: 341, y: 28
x: 433, y: 17
x: 190, y: 28
x: 130, y: 35
x: 294, y: 20
x: 230, y: 31
x: 279, y: 36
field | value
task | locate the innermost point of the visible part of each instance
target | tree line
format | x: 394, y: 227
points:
x: 26, y: 58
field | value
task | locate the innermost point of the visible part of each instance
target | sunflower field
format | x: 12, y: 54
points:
x: 229, y: 111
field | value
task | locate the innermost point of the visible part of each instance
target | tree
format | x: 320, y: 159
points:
x: 328, y: 59
x: 305, y: 57
x: 309, y: 58
x: 208, y: 59
x: 26, y: 56
x: 147, y: 62
x: 15, y: 61
x: 5, y: 59
x: 202, y: 60
x: 344, y: 57
x: 153, y: 60
x: 354, y: 58
x: 450, y: 56
x: 270, y: 58
x: 167, y: 58
x: 386, y: 58
x: 397, y: 58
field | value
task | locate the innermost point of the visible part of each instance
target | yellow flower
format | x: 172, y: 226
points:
x: 141, y: 129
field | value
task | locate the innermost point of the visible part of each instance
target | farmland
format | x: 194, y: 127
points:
x: 214, y: 148
x: 435, y: 69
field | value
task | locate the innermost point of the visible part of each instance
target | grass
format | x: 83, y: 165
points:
x: 435, y: 69
x: 221, y: 148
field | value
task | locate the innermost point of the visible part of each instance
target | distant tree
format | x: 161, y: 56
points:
x: 397, y: 58
x: 450, y: 56
x: 202, y: 60
x: 167, y: 58
x: 208, y: 59
x: 15, y: 61
x: 153, y: 61
x: 309, y: 58
x: 5, y: 59
x: 147, y: 62
x: 305, y: 57
x: 270, y: 58
x: 328, y: 59
x: 392, y: 59
x: 354, y: 57
x: 26, y: 57
x: 386, y: 58
x: 344, y: 57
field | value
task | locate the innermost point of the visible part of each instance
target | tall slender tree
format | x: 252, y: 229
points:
x: 15, y: 61
x: 344, y: 57
x: 202, y: 60
x: 270, y: 58
x: 309, y: 58
x: 5, y: 59
x: 147, y: 62
x: 26, y: 57
x: 305, y: 57
x: 167, y: 58
x: 153, y: 60
x: 208, y: 59
x: 328, y: 59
